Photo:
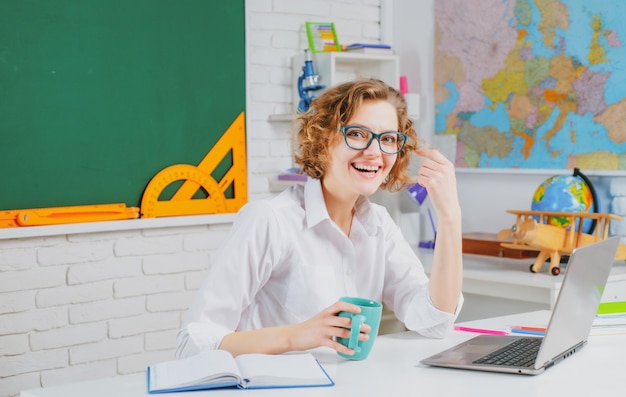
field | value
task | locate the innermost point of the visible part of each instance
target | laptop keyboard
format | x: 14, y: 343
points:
x: 520, y: 353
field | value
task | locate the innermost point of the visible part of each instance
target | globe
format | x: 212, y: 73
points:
x: 564, y: 193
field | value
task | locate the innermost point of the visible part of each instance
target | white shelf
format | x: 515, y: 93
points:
x: 277, y: 185
x: 282, y: 118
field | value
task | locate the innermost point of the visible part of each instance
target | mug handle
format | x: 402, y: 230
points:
x: 355, y: 330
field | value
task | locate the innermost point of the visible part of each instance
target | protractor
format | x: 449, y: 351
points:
x: 152, y: 207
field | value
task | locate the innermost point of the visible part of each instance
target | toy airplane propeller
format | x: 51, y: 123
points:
x: 533, y: 231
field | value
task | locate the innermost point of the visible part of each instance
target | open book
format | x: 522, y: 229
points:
x: 218, y: 369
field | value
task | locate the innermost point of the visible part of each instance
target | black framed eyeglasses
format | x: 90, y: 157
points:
x: 360, y: 138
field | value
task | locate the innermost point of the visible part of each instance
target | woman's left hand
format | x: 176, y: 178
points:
x: 437, y: 175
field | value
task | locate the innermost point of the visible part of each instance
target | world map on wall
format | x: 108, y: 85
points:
x: 532, y: 83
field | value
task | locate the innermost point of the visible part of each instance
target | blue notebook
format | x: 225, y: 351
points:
x: 215, y: 369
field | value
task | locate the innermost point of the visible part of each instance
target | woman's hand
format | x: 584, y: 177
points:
x: 323, y: 328
x: 319, y: 330
x: 437, y: 175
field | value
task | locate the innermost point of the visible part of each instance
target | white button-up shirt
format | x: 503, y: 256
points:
x: 285, y: 261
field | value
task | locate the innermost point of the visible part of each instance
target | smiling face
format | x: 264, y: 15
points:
x: 352, y: 173
x: 321, y: 149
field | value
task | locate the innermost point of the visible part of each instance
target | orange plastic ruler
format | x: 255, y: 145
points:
x: 70, y: 214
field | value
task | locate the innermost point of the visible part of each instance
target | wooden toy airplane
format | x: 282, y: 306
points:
x: 553, y: 241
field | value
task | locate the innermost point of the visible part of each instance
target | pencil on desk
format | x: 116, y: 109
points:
x: 480, y: 330
x: 526, y: 328
x: 527, y: 332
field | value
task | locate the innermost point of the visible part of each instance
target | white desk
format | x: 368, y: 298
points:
x: 393, y: 369
x: 517, y: 289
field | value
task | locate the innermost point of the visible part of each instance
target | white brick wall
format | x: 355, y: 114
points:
x: 84, y: 306
x: 275, y: 33
x: 94, y: 305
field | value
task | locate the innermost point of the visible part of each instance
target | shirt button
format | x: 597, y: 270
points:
x: 349, y: 273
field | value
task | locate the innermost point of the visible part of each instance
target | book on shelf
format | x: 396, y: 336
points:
x: 369, y: 48
x: 213, y: 369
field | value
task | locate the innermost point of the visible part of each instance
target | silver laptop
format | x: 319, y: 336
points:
x: 586, y: 274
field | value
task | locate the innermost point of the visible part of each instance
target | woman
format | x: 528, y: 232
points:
x: 276, y: 283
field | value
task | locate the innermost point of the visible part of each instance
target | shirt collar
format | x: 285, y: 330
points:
x: 315, y: 207
x: 314, y: 204
x: 365, y: 214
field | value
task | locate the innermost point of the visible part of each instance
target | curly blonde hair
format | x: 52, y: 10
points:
x: 319, y: 127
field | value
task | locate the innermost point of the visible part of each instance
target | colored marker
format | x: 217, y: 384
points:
x: 523, y: 327
x: 480, y: 330
x: 527, y: 332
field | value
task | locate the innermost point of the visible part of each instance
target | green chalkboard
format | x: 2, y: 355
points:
x: 97, y: 96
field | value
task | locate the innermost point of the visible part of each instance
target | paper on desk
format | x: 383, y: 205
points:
x: 605, y: 331
x: 609, y: 324
x: 610, y: 320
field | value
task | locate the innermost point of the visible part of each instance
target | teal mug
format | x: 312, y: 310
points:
x: 371, y: 312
